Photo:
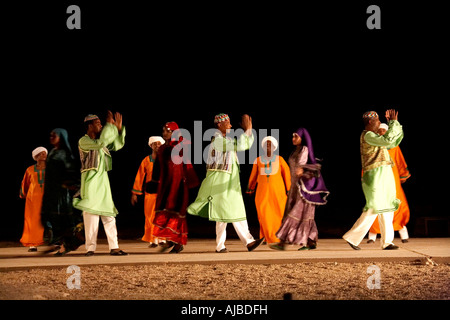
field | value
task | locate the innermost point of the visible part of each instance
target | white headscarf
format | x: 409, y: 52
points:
x: 155, y: 139
x: 37, y: 151
x: 271, y: 139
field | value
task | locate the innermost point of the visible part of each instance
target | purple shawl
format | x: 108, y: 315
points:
x: 312, y: 187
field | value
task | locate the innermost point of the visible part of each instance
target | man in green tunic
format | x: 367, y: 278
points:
x: 95, y: 194
x: 378, y: 181
x: 220, y: 197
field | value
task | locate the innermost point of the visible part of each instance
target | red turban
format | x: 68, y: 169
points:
x: 172, y: 126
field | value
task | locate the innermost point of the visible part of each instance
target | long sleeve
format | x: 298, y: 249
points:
x: 26, y: 181
x: 303, y: 159
x: 139, y: 180
x: 390, y: 139
x: 253, y: 178
x: 400, y: 162
x: 244, y: 142
x: 108, y: 137
x: 119, y: 141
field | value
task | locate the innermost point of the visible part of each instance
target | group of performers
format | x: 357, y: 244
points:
x: 63, y: 209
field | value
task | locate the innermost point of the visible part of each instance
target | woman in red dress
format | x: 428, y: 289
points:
x: 175, y: 180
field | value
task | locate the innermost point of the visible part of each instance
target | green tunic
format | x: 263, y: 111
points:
x: 220, y: 196
x: 378, y: 181
x: 95, y: 192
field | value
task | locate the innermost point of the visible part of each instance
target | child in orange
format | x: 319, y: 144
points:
x: 32, y: 190
x: 149, y: 188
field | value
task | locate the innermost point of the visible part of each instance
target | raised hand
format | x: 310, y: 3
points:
x: 118, y: 121
x: 110, y: 117
x: 391, y: 114
x: 246, y: 123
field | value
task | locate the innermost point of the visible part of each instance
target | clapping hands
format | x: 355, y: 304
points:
x: 115, y: 119
x: 391, y: 114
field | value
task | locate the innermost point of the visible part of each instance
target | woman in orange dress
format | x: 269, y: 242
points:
x: 149, y: 188
x: 401, y: 174
x: 271, y: 173
x: 32, y: 190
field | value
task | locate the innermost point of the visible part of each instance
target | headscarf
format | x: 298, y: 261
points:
x: 155, y: 139
x: 172, y: 126
x: 37, y: 151
x: 63, y: 139
x: 271, y: 139
x: 177, y: 138
x: 313, y: 189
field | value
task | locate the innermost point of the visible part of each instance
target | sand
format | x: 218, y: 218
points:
x: 304, y: 281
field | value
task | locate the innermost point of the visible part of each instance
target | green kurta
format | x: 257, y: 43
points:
x: 378, y: 181
x: 95, y: 192
x: 220, y: 196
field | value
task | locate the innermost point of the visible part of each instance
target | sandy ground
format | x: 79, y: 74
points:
x: 311, y: 281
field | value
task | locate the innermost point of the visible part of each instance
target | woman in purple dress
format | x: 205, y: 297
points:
x: 307, y: 191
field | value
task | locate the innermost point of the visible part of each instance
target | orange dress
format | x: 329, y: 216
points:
x: 146, y: 171
x: 401, y: 174
x: 274, y: 180
x: 32, y: 190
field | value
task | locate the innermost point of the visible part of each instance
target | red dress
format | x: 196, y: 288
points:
x: 173, y: 195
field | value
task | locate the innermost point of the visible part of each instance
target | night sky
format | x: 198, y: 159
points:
x: 316, y: 66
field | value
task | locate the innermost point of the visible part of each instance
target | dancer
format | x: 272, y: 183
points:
x: 272, y: 175
x: 149, y: 188
x: 378, y: 181
x: 220, y: 198
x: 307, y: 191
x: 61, y: 182
x: 95, y: 199
x: 175, y: 180
x: 32, y: 190
x: 401, y: 174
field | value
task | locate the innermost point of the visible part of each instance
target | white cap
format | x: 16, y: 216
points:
x: 37, y: 151
x: 155, y: 139
x: 271, y: 139
x: 383, y: 126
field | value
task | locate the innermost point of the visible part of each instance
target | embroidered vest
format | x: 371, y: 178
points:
x: 90, y: 159
x: 373, y: 157
x: 219, y: 160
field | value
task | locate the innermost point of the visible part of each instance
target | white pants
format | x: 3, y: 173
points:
x: 91, y: 223
x: 242, y: 231
x: 357, y: 233
x: 403, y: 232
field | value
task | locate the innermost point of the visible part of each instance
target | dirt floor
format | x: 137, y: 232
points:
x: 310, y: 281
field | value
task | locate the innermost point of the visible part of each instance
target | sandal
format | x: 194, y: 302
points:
x: 60, y: 254
x: 175, y: 250
x: 166, y: 246
x: 117, y: 252
x: 277, y: 246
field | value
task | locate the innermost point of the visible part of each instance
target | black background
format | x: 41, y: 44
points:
x: 312, y: 64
